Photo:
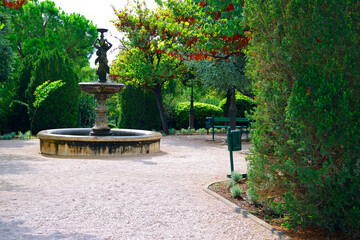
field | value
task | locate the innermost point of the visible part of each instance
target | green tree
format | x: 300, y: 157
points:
x: 304, y: 58
x: 143, y: 61
x: 224, y: 75
x: 43, y: 26
x: 6, y: 51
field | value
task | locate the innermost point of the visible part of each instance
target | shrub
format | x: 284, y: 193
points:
x: 184, y: 131
x: 306, y: 74
x: 172, y: 131
x: 201, y: 111
x: 61, y: 107
x: 230, y: 183
x: 201, y: 131
x: 138, y: 109
x: 236, y: 176
x: 243, y: 104
x: 24, y: 136
x: 6, y: 136
x: 236, y: 191
x: 252, y: 196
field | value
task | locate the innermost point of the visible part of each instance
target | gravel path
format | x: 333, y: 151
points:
x: 157, y: 196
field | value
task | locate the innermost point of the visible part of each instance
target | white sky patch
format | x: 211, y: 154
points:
x: 100, y: 13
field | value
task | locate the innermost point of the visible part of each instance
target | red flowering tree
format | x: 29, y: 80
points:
x: 13, y: 3
x: 211, y: 28
x: 146, y: 59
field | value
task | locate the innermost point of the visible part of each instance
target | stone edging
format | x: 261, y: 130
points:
x: 246, y: 214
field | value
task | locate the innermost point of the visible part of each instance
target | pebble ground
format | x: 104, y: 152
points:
x: 156, y: 196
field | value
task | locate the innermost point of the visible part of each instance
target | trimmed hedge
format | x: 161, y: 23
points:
x: 138, y: 109
x: 201, y: 111
x: 306, y: 74
x: 243, y: 104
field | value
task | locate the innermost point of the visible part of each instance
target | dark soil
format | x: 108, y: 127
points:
x: 309, y: 233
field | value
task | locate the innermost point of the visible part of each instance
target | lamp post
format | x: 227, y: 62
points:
x: 232, y: 110
x: 191, y: 109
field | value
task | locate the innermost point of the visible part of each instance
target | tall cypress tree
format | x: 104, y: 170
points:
x: 60, y: 109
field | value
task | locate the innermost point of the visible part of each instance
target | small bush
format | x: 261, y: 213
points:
x: 5, y: 137
x: 172, y: 131
x: 252, y: 196
x: 201, y: 131
x: 215, y: 130
x: 24, y: 136
x: 236, y: 176
x: 230, y: 183
x: 236, y: 191
x: 184, y: 131
x: 201, y: 111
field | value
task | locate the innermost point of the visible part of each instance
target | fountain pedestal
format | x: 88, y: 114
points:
x: 101, y: 127
x: 101, y: 92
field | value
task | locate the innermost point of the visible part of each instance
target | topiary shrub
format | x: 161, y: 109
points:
x: 305, y: 68
x: 243, y: 104
x: 138, y: 109
x: 201, y: 111
x: 60, y: 109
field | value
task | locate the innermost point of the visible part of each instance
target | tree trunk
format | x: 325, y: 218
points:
x: 157, y: 92
x: 228, y: 101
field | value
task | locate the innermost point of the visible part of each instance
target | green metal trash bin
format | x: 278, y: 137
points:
x: 234, y: 144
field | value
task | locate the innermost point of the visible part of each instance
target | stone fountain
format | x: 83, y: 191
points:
x: 101, y: 140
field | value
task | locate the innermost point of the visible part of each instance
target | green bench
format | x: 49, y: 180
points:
x: 243, y: 124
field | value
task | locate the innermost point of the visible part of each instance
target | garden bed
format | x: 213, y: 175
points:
x: 309, y: 233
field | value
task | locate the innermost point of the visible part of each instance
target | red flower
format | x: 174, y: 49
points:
x: 230, y: 7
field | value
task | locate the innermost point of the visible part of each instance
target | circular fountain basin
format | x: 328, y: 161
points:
x: 77, y: 142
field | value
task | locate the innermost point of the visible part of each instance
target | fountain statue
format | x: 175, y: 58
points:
x: 102, y: 47
x: 100, y: 140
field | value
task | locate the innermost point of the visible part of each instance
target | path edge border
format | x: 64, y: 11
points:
x: 238, y: 209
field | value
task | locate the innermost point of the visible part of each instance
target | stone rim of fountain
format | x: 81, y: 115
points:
x: 65, y: 133
x: 77, y: 142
